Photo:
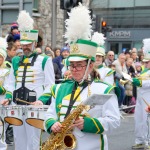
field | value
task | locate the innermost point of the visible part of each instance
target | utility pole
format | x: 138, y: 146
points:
x: 53, y: 30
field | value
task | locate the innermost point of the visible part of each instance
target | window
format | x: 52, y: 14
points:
x: 35, y: 5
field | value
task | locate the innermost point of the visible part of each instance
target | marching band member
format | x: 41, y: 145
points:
x: 3, y: 78
x: 70, y: 93
x: 31, y: 75
x: 106, y: 74
x: 141, y: 117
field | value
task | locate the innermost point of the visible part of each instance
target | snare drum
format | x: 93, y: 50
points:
x: 35, y: 115
x: 14, y: 115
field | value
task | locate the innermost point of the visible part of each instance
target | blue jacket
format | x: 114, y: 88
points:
x: 58, y: 60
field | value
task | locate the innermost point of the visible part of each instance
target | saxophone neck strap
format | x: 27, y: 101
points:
x: 72, y: 101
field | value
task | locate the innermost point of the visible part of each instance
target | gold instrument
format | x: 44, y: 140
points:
x: 123, y: 82
x: 64, y: 139
x: 144, y: 77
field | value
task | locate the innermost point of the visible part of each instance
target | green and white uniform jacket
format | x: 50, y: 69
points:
x: 103, y: 118
x: 4, y: 73
x: 106, y: 74
x: 39, y: 77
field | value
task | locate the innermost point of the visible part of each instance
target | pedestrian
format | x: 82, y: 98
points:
x: 31, y: 76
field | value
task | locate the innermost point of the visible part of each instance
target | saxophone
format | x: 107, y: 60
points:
x: 64, y: 139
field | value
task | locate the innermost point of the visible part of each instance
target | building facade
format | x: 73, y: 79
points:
x: 129, y: 20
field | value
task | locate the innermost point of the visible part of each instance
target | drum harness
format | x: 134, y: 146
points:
x: 23, y: 92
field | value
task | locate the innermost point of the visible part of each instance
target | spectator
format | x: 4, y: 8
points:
x: 127, y: 53
x: 11, y: 52
x: 138, y: 67
x: 56, y: 51
x: 47, y: 48
x: 17, y: 43
x: 60, y: 59
x: 14, y: 33
x: 110, y: 58
x: 38, y: 50
x: 120, y: 67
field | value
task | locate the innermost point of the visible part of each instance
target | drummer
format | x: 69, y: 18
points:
x: 3, y: 78
x: 31, y: 75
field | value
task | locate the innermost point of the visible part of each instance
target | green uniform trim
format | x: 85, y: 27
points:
x: 81, y: 41
x: 137, y: 82
x: 44, y: 62
x: 8, y: 95
x: 49, y: 123
x: 82, y: 56
x: 44, y: 97
x: 102, y: 141
x: 92, y: 125
x: 2, y: 90
x: 110, y: 72
x: 144, y: 71
x: 15, y: 64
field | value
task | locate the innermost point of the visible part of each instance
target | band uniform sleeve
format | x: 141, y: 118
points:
x: 10, y: 84
x: 4, y: 86
x: 50, y: 116
x: 49, y: 80
x: 109, y: 120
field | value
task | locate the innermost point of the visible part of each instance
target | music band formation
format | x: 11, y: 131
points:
x: 83, y: 106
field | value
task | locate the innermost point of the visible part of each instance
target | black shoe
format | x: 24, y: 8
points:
x: 9, y: 142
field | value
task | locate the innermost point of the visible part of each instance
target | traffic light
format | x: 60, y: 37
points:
x: 69, y: 4
x: 104, y: 27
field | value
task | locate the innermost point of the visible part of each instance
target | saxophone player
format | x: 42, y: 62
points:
x: 89, y: 131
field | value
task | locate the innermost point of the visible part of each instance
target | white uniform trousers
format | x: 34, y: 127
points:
x: 141, y: 119
x: 26, y: 137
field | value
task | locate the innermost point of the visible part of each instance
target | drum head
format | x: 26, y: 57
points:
x: 13, y: 121
x: 37, y: 123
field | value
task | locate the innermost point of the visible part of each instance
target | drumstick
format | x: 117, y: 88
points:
x: 19, y: 100
x: 146, y: 102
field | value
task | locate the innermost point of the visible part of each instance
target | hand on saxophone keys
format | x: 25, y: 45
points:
x: 56, y: 127
x: 79, y: 123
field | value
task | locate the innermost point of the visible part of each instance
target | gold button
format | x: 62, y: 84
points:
x: 60, y: 105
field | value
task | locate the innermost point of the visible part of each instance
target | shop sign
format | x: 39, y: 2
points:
x: 120, y: 34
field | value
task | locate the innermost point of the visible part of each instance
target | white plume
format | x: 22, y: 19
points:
x: 78, y: 26
x: 146, y: 46
x: 3, y: 43
x: 98, y: 38
x: 25, y: 21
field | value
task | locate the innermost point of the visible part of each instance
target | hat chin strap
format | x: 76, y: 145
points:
x: 32, y: 48
x: 85, y: 74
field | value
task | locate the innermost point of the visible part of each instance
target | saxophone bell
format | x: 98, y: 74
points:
x: 69, y: 141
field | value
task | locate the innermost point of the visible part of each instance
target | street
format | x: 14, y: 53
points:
x: 121, y: 139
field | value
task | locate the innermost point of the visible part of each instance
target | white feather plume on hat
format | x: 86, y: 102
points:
x: 3, y: 47
x: 25, y: 21
x: 98, y: 38
x: 78, y: 26
x: 146, y: 50
x: 146, y: 46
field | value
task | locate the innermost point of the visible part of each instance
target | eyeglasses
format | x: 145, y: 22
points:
x: 78, y: 67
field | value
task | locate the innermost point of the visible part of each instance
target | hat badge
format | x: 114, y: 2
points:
x: 24, y: 36
x: 75, y: 49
